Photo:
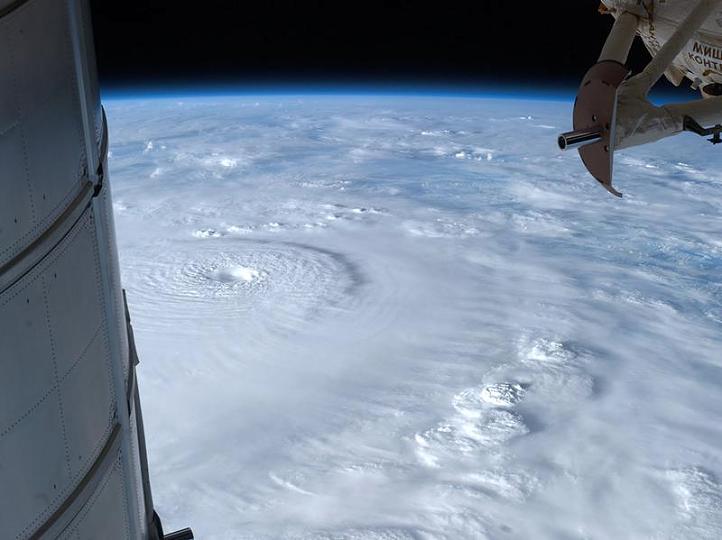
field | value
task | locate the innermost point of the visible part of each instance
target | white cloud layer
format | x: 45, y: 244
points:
x: 391, y: 318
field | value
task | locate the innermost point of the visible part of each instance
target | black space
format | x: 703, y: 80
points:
x: 473, y: 43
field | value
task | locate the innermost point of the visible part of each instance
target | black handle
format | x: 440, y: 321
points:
x: 183, y: 534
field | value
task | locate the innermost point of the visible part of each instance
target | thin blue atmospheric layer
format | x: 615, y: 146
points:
x: 422, y: 89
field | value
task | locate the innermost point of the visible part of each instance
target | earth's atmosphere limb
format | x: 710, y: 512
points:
x: 408, y: 317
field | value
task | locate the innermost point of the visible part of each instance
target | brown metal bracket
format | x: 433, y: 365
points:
x: 595, y: 109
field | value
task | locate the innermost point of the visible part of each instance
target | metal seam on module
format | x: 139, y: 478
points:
x: 101, y: 461
x: 65, y: 222
x: 81, y: 200
x: 78, y: 42
x: 7, y: 10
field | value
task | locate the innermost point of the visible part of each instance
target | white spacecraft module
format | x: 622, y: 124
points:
x: 72, y: 450
x: 612, y: 111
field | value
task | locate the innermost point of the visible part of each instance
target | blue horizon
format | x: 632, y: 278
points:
x: 565, y: 93
x: 122, y: 92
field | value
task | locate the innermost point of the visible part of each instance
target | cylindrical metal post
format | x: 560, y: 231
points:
x: 620, y: 38
x: 580, y: 137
